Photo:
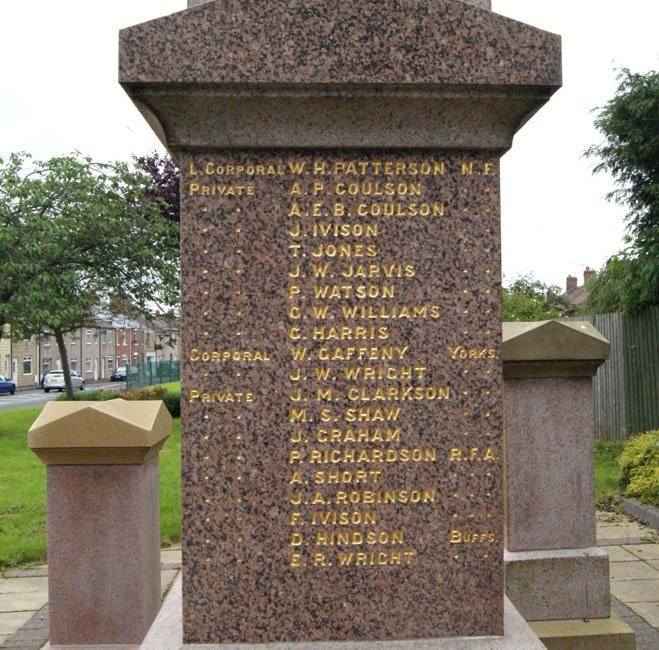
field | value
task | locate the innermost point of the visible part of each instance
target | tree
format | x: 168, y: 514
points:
x: 73, y: 233
x: 630, y: 152
x: 165, y: 177
x: 527, y: 299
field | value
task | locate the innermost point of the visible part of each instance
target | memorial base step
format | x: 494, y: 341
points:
x: 166, y: 634
x: 596, y: 634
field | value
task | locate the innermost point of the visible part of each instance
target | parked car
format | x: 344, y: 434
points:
x: 7, y: 385
x: 54, y: 380
x: 119, y: 374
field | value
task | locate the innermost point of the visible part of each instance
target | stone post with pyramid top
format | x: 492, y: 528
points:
x: 103, y: 518
x: 556, y: 575
x: 341, y: 322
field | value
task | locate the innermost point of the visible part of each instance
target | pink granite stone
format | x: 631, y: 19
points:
x: 103, y: 552
x: 558, y: 585
x: 549, y: 463
x: 260, y: 563
x: 295, y: 73
x: 275, y: 507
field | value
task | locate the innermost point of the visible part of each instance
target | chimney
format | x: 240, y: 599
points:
x: 570, y: 283
x: 588, y: 273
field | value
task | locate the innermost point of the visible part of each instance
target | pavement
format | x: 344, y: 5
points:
x: 25, y: 397
x: 634, y: 572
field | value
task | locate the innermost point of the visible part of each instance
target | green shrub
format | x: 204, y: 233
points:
x: 607, y: 470
x: 91, y: 396
x: 172, y: 399
x: 639, y: 463
x: 173, y: 403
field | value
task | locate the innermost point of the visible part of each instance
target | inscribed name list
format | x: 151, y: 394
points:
x: 341, y: 435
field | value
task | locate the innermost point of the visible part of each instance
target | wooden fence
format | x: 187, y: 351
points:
x: 626, y: 387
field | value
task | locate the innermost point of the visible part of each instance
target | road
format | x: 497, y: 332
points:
x: 37, y: 397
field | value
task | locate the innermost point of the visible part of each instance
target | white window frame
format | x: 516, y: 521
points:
x: 27, y: 359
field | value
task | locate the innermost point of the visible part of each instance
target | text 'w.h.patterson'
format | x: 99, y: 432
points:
x: 342, y: 417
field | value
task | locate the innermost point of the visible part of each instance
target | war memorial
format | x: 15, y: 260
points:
x: 343, y: 383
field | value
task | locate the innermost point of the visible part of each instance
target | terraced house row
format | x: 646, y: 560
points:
x: 94, y: 351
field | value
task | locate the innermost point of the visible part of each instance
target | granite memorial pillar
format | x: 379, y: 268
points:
x: 341, y: 323
x: 556, y: 575
x: 103, y: 518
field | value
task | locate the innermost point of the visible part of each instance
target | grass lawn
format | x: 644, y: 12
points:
x: 23, y: 491
x: 607, y: 472
x: 18, y: 420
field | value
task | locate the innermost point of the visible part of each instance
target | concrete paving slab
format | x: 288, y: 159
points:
x: 618, y: 531
x: 644, y: 551
x: 619, y: 554
x: 24, y: 602
x: 654, y: 563
x: 635, y: 591
x: 166, y: 578
x: 25, y: 573
x: 170, y: 556
x: 23, y: 585
x: 647, y: 611
x: 11, y: 621
x: 632, y: 571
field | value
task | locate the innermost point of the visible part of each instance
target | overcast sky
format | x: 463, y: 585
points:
x: 59, y: 93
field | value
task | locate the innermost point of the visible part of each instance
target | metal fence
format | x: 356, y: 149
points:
x: 626, y: 387
x: 139, y: 375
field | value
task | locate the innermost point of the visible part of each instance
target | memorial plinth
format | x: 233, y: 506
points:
x: 341, y: 328
x: 103, y: 518
x: 554, y: 569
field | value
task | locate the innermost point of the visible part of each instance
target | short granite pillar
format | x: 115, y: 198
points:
x: 103, y: 518
x: 555, y: 574
x: 553, y: 568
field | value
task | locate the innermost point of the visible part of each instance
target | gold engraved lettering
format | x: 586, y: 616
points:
x: 223, y: 356
x: 220, y: 190
x: 357, y: 538
x: 344, y: 250
x: 343, y: 291
x: 459, y: 352
x: 369, y: 188
x: 400, y: 209
x: 383, y: 372
x: 383, y: 353
x: 470, y: 537
x: 335, y: 476
x: 377, y: 168
x: 347, y: 333
x: 217, y: 396
x: 344, y: 230
x: 366, y: 434
x: 384, y: 496
x: 371, y: 415
x: 369, y: 559
x: 343, y: 518
x: 378, y: 271
x: 472, y: 453
x: 399, y: 393
x: 377, y: 455
x: 382, y: 312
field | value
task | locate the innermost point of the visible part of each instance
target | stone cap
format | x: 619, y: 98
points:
x: 302, y: 73
x: 114, y: 432
x: 552, y: 349
x: 484, y: 4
